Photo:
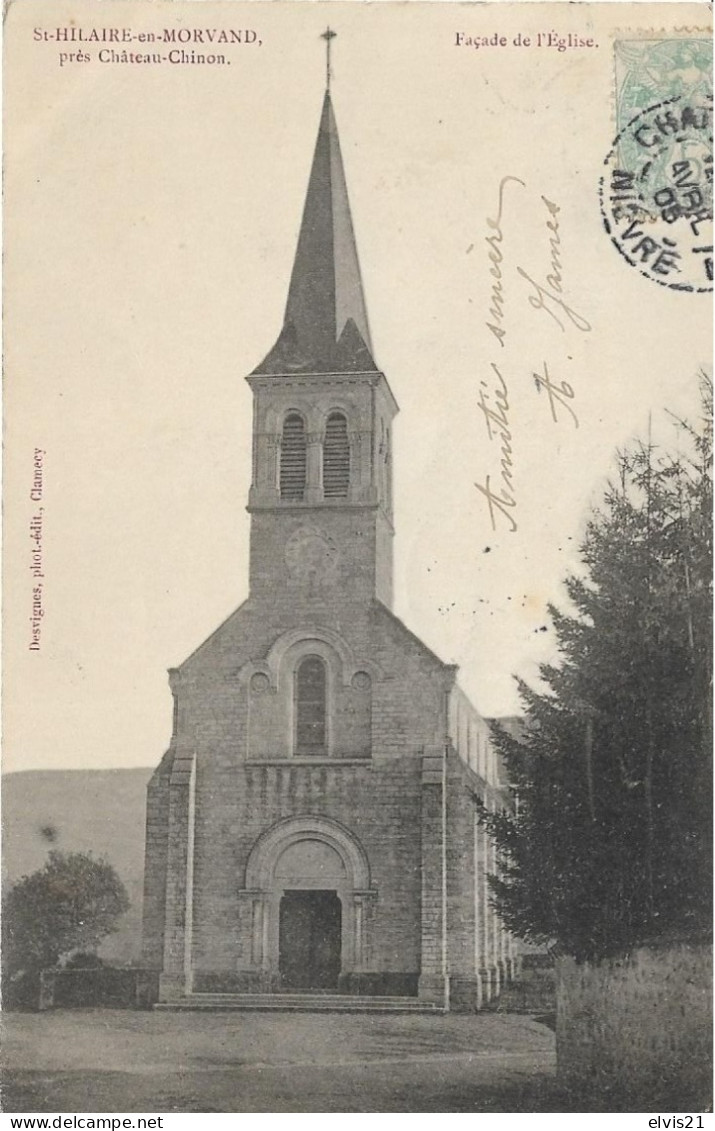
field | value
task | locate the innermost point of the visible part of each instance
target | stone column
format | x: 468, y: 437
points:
x: 433, y: 975
x: 485, y: 972
x: 314, y: 467
x: 359, y: 927
x: 478, y: 913
x: 496, y: 925
x: 361, y: 450
x: 363, y: 911
x: 175, y: 978
x: 264, y: 489
x: 255, y: 966
x: 357, y: 466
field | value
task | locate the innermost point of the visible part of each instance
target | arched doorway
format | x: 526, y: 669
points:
x: 310, y: 940
x: 308, y: 882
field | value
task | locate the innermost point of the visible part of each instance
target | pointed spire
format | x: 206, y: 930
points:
x: 325, y: 293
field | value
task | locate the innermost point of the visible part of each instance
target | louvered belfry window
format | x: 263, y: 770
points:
x: 293, y: 457
x: 310, y: 705
x: 336, y: 458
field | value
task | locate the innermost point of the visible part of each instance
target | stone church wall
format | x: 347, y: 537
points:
x: 219, y: 714
x: 244, y: 786
x: 460, y: 872
x: 379, y: 803
x: 295, y: 554
x: 156, y: 859
x: 482, y: 956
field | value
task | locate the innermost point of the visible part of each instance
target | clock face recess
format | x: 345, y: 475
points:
x: 312, y: 558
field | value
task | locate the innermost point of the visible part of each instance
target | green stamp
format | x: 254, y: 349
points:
x: 649, y: 71
x: 656, y: 193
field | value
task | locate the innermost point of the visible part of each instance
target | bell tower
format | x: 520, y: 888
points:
x: 321, y: 495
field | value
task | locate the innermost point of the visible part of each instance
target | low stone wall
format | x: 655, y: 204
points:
x: 638, y: 1030
x: 533, y: 990
x: 124, y: 987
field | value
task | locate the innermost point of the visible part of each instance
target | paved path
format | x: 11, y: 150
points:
x: 116, y: 1061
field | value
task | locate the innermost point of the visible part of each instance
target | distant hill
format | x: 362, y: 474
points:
x: 98, y: 811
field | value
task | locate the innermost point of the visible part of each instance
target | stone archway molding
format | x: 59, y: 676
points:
x: 271, y: 844
x: 348, y: 661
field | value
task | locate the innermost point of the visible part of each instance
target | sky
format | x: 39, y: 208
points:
x: 152, y: 213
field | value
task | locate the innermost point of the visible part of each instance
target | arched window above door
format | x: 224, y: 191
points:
x: 311, y: 737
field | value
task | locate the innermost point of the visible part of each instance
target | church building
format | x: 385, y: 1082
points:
x: 313, y: 826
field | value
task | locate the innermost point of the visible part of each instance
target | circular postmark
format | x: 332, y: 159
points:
x: 657, y: 194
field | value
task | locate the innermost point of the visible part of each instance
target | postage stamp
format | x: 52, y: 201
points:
x: 656, y: 191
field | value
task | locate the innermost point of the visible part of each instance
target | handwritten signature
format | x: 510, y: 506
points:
x: 558, y: 394
x: 550, y: 298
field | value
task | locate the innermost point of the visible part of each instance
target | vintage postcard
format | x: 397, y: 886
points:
x: 357, y: 360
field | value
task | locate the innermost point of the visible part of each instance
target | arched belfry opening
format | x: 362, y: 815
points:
x: 336, y: 457
x: 293, y: 457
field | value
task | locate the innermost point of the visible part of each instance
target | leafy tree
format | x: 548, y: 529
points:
x: 71, y: 903
x: 610, y: 841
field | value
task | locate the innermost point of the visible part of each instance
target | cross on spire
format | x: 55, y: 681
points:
x: 327, y: 35
x: 325, y: 328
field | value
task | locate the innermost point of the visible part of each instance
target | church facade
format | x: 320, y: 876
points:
x: 313, y: 823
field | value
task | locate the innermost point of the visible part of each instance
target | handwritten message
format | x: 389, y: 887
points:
x: 539, y: 282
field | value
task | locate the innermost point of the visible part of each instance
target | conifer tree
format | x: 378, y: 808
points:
x: 610, y: 841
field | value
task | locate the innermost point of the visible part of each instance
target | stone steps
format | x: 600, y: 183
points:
x: 300, y: 1003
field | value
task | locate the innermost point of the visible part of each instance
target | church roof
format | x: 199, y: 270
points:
x: 325, y: 326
